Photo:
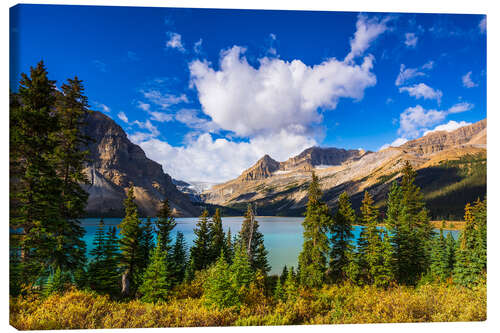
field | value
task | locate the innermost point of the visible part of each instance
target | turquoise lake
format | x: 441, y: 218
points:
x: 282, y: 235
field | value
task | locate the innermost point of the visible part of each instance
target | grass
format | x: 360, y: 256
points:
x: 335, y: 304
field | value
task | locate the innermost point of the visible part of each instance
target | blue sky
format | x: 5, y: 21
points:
x: 208, y: 92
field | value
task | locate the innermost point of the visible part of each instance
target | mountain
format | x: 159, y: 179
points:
x: 114, y: 163
x: 451, y: 169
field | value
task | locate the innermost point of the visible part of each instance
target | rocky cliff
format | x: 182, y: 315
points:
x: 114, y: 163
x: 281, y: 187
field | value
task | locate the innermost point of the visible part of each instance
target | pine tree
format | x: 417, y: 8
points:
x: 71, y: 153
x: 156, y: 283
x: 470, y: 266
x: 147, y: 242
x: 111, y: 261
x: 451, y: 246
x: 179, y: 257
x: 313, y: 257
x: 284, y: 274
x: 279, y: 292
x: 200, y: 251
x: 410, y: 229
x: 439, y: 262
x: 291, y: 288
x: 253, y: 241
x: 341, y: 235
x: 384, y: 271
x: 229, y: 247
x: 131, y: 235
x: 241, y: 270
x: 56, y: 282
x: 164, y: 225
x: 220, y: 291
x: 35, y: 185
x: 97, y: 267
x: 217, y: 236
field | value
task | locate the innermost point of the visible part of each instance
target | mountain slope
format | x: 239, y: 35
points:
x: 283, y: 191
x: 114, y: 163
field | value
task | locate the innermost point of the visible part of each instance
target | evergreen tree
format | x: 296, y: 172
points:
x: 97, y: 267
x: 313, y: 257
x: 179, y: 257
x: 451, y: 246
x: 409, y: 227
x: 147, y: 242
x: 111, y: 262
x: 164, y: 225
x: 56, y: 282
x: 284, y: 274
x: 470, y: 264
x: 220, y: 291
x: 279, y: 292
x: 71, y: 153
x: 383, y: 273
x: 241, y: 270
x: 217, y: 237
x: 35, y: 185
x: 156, y: 283
x: 131, y: 235
x: 200, y: 251
x: 341, y: 235
x: 439, y: 262
x: 291, y: 288
x: 253, y: 241
x: 229, y: 247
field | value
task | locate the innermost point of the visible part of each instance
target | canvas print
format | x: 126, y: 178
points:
x: 216, y: 167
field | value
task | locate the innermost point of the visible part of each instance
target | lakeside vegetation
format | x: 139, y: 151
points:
x: 406, y: 273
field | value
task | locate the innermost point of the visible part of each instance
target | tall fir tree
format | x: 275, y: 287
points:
x: 217, y: 237
x: 156, y: 284
x: 179, y: 257
x: 165, y: 223
x: 35, y: 186
x: 130, y: 245
x: 111, y: 259
x: 439, y: 259
x: 470, y: 266
x: 241, y: 270
x: 200, y: 251
x: 147, y: 242
x: 71, y: 153
x: 229, y: 247
x: 410, y: 228
x: 97, y: 267
x: 220, y: 291
x: 341, y: 238
x: 253, y: 241
x: 314, y: 254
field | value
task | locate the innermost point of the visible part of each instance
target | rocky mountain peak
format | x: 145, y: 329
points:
x: 115, y: 162
x: 263, y: 168
x: 317, y: 156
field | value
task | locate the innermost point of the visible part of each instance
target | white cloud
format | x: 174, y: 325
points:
x: 160, y: 99
x: 448, y: 127
x: 482, y: 25
x: 216, y: 160
x: 406, y: 74
x: 422, y: 90
x: 367, y: 30
x: 197, y: 46
x: 276, y: 95
x: 411, y: 39
x: 460, y: 107
x: 467, y: 81
x: 175, y: 41
x: 190, y: 118
x: 123, y: 117
x: 138, y: 137
x: 396, y: 143
x: 161, y: 116
x: 415, y: 120
x: 143, y: 106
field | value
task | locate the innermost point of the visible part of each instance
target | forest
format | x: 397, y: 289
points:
x: 142, y: 275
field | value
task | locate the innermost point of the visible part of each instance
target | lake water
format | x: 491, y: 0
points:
x: 282, y: 235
